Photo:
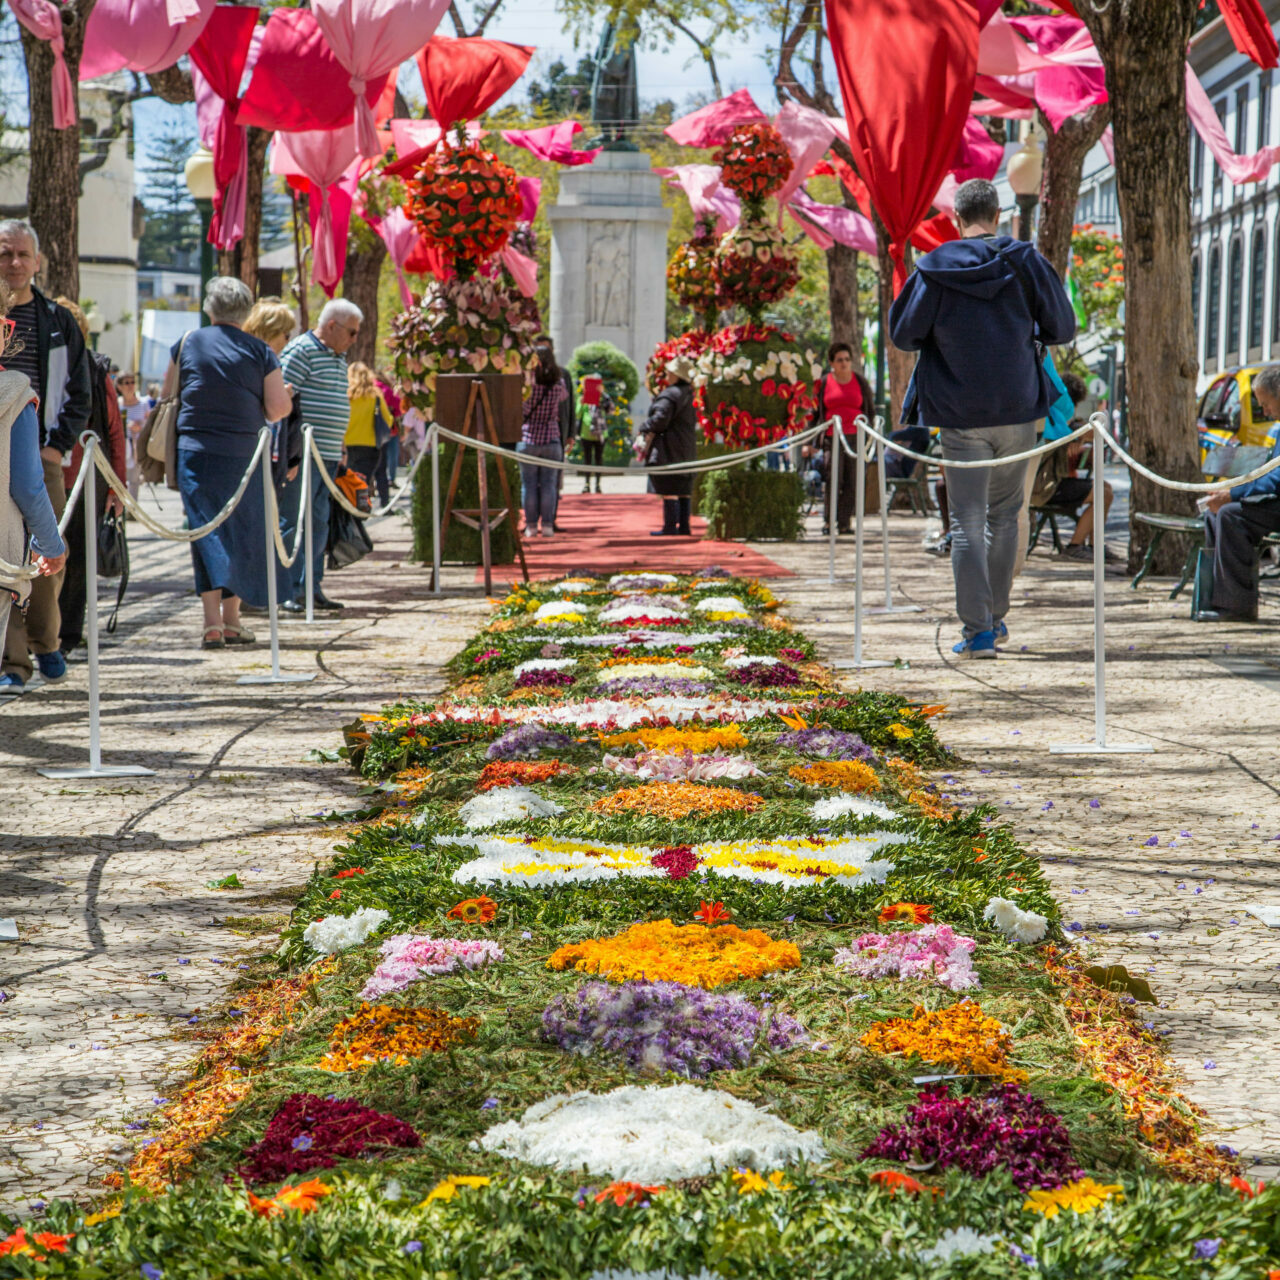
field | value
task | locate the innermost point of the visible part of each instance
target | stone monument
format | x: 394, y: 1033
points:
x: 609, y: 227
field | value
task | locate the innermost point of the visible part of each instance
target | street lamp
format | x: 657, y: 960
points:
x: 1024, y: 171
x: 201, y: 183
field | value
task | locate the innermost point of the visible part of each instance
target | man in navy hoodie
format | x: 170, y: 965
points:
x: 977, y: 309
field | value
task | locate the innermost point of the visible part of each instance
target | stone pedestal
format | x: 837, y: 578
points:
x: 609, y: 257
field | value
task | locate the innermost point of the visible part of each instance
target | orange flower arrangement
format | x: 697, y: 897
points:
x: 893, y: 1181
x: 847, y: 775
x: 410, y: 783
x: 625, y: 1193
x: 754, y: 163
x: 674, y: 741
x: 712, y: 913
x: 305, y: 1197
x: 931, y: 806
x: 961, y: 1037
x: 474, y: 910
x: 645, y: 660
x: 511, y: 773
x: 906, y: 774
x: 909, y: 912
x: 382, y: 1033
x: 18, y: 1243
x: 677, y: 800
x: 661, y: 951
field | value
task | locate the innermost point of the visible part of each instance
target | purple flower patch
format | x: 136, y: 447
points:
x: 526, y: 741
x: 827, y: 743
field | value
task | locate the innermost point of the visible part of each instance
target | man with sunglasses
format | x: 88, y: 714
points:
x: 49, y: 349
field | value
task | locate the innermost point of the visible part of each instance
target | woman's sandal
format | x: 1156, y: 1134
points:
x: 214, y: 638
x: 238, y: 635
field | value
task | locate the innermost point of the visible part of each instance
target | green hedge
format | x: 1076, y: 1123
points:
x: 755, y: 505
x: 462, y: 545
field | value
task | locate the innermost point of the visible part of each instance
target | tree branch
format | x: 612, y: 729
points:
x: 705, y: 47
x: 115, y: 128
x: 173, y: 84
x: 494, y: 6
x: 459, y: 26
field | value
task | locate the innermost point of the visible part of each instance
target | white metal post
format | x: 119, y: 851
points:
x: 96, y: 768
x: 309, y: 536
x: 859, y: 511
x: 833, y: 492
x: 269, y: 510
x: 1099, y: 745
x: 882, y: 457
x: 433, y: 439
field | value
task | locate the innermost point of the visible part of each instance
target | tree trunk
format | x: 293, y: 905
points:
x: 842, y: 294
x: 360, y: 285
x: 53, y: 181
x: 900, y: 363
x: 1143, y: 47
x: 1064, y: 157
x: 241, y: 259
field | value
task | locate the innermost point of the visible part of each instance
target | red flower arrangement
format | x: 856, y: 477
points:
x: 466, y: 203
x: 691, y: 273
x: 754, y: 163
x: 691, y: 345
x: 754, y: 267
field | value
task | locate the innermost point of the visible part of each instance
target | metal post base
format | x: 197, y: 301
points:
x: 282, y: 678
x: 897, y: 608
x: 1099, y: 749
x: 858, y: 666
x: 826, y: 582
x: 102, y: 771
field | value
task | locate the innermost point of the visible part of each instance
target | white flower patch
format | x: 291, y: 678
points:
x: 958, y: 1242
x: 614, y: 714
x: 504, y: 804
x: 651, y: 1134
x: 842, y: 860
x: 620, y: 610
x: 647, y: 639
x: 751, y: 660
x: 1015, y: 923
x: 571, y: 586
x: 544, y: 664
x: 720, y: 604
x: 338, y: 933
x: 848, y: 806
x: 623, y: 581
x: 556, y: 608
x: 664, y: 670
x: 510, y: 860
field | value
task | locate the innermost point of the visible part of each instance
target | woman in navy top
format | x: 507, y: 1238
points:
x: 231, y: 386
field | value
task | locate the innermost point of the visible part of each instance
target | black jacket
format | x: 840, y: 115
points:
x: 66, y: 386
x: 568, y: 410
x: 675, y: 438
x: 289, y: 446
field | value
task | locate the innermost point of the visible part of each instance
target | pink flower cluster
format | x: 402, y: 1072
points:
x: 934, y: 952
x: 663, y: 766
x: 406, y: 959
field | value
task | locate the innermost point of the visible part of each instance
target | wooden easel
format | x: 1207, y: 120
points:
x: 479, y: 422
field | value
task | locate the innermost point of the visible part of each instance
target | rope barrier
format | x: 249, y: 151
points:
x: 1182, y: 486
x: 273, y: 510
x: 979, y: 463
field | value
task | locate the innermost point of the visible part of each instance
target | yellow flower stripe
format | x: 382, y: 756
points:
x: 675, y: 741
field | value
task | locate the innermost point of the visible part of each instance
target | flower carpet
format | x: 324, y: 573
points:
x: 650, y: 953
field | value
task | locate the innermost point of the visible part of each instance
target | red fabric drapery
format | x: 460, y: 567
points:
x: 298, y: 84
x: 1250, y: 31
x: 465, y: 77
x: 905, y: 113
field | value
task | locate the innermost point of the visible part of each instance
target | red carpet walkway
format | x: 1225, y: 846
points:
x: 608, y: 533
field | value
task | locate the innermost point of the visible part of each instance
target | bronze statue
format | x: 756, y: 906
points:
x: 615, y: 99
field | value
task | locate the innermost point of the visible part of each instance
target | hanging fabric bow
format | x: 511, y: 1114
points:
x: 140, y: 35
x: 327, y: 159
x: 465, y: 77
x: 43, y: 19
x: 371, y: 38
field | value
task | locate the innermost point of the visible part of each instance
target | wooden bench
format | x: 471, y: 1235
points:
x: 1223, y: 463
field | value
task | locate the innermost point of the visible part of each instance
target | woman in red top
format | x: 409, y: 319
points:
x: 845, y: 393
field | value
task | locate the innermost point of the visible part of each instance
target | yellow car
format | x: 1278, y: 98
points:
x: 1229, y: 413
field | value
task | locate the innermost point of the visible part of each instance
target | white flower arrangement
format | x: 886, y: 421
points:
x: 620, y: 610
x: 751, y: 660
x: 622, y: 581
x: 505, y: 804
x: 720, y: 604
x: 339, y: 933
x: 614, y: 714
x: 664, y: 670
x: 544, y: 664
x: 651, y: 1134
x: 548, y: 863
x: 647, y: 639
x: 845, y: 806
x: 571, y: 586
x: 557, y: 608
x: 1015, y: 923
x: 958, y: 1242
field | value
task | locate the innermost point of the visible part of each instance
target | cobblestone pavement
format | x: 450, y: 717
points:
x: 122, y: 942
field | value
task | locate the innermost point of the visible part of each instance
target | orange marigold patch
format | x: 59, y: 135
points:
x: 382, y: 1033
x: 677, y: 800
x: 961, y: 1037
x: 511, y: 773
x: 847, y: 775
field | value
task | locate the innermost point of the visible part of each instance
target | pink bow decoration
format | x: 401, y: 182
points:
x: 1002, y: 51
x: 1247, y: 168
x: 710, y: 126
x: 712, y: 202
x: 43, y: 19
x: 808, y: 135
x: 552, y: 142
x: 327, y: 159
x: 1063, y: 91
x: 371, y: 38
x: 530, y: 198
x: 137, y: 35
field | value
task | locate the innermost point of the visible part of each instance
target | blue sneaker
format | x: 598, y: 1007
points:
x: 1001, y: 633
x: 53, y: 666
x: 12, y: 684
x: 983, y: 645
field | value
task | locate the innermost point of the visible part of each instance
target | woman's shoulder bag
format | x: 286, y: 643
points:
x: 157, y: 446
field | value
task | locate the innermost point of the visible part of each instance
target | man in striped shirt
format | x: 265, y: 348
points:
x: 315, y: 365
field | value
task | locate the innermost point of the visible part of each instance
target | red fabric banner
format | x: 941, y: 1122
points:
x: 905, y: 114
x: 1250, y: 31
x: 465, y: 77
x: 298, y: 84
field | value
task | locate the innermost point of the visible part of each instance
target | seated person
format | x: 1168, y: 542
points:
x: 1072, y: 490
x: 898, y: 465
x: 813, y: 468
x: 1236, y: 522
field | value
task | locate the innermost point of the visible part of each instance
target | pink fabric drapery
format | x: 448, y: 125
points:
x: 418, y: 135
x: 712, y: 203
x: 530, y: 198
x: 43, y: 19
x: 298, y: 83
x: 138, y: 35
x: 978, y: 155
x: 837, y: 224
x: 710, y: 126
x: 1063, y: 91
x: 552, y: 142
x: 219, y: 59
x: 1247, y: 168
x: 807, y: 134
x: 371, y: 38
x: 1002, y: 50
x: 327, y: 159
x: 400, y: 236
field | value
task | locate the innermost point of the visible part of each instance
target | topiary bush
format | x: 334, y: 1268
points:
x: 621, y: 377
x: 755, y: 505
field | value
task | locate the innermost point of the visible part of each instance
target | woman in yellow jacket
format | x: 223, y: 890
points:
x: 368, y: 429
